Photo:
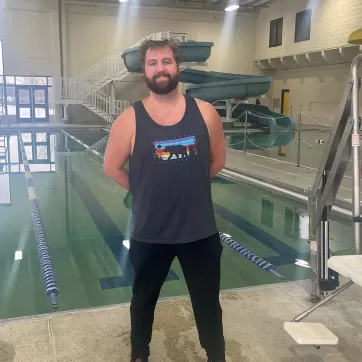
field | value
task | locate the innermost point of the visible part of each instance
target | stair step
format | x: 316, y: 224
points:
x: 310, y: 333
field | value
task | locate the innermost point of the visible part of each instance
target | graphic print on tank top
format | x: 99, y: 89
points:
x: 177, y: 149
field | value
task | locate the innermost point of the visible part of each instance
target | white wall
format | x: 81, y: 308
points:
x: 29, y: 30
x: 332, y: 23
x: 93, y: 33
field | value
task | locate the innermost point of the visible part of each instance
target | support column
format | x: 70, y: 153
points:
x: 113, y: 97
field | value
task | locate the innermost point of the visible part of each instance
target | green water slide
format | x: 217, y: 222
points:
x: 218, y: 87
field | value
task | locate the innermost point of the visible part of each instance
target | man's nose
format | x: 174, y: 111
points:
x: 160, y: 67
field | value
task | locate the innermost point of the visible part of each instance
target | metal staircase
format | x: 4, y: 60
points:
x: 86, y: 87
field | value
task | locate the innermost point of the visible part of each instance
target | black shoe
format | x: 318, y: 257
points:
x: 139, y: 360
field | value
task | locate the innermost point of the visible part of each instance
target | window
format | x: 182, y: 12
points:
x: 267, y: 212
x: 291, y: 223
x: 302, y: 25
x: 276, y: 32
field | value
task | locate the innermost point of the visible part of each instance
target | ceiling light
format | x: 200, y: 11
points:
x: 232, y: 7
x: 123, y: 1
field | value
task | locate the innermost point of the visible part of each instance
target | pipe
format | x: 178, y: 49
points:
x: 355, y: 152
x: 323, y: 301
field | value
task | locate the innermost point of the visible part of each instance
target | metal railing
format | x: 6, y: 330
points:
x: 304, y: 150
x: 102, y: 104
x: 85, y: 87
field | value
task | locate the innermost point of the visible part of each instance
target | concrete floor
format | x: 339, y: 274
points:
x: 253, y: 323
x: 253, y: 317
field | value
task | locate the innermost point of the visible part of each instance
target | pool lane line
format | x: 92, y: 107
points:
x: 83, y: 144
x: 46, y: 265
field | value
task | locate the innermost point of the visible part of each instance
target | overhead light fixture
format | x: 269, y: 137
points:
x: 123, y: 1
x: 232, y: 7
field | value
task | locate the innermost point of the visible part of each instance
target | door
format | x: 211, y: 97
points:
x: 32, y: 103
x: 285, y: 102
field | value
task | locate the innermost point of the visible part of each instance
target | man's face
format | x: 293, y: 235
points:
x: 161, y: 70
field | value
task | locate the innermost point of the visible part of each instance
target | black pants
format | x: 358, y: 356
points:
x: 200, y: 262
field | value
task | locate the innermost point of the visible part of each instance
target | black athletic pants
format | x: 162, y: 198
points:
x: 200, y: 262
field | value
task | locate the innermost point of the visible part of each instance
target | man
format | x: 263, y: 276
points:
x: 174, y: 144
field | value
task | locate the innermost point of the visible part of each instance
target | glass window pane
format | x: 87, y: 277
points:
x: 31, y: 80
x: 14, y: 168
x: 10, y: 80
x: 21, y: 80
x: 14, y: 149
x: 1, y: 79
x: 50, y: 101
x: 2, y: 100
x: 11, y: 100
x: 25, y: 112
x: 50, y: 80
x: 29, y: 152
x: 41, y: 137
x: 42, y: 152
x: 26, y: 137
x: 52, y: 147
x: 39, y: 96
x: 40, y: 113
x: 24, y: 96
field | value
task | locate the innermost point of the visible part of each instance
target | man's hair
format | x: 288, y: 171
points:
x: 171, y: 43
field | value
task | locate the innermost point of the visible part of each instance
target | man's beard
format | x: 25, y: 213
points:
x: 164, y: 87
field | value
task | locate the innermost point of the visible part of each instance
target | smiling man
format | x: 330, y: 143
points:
x: 175, y: 145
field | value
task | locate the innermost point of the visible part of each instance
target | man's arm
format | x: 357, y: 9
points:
x: 119, y: 148
x: 216, y: 135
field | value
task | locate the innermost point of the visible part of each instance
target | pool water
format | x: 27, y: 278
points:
x: 86, y: 219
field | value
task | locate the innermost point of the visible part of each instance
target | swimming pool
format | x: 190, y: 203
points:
x: 86, y: 218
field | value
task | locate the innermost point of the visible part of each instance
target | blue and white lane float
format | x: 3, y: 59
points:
x: 257, y: 260
x: 46, y: 265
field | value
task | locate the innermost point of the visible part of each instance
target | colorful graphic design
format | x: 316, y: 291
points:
x: 177, y: 149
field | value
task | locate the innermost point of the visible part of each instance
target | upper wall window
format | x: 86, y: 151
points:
x: 276, y: 32
x: 303, y: 23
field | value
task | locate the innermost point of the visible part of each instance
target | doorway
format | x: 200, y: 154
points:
x: 285, y: 102
x: 32, y: 103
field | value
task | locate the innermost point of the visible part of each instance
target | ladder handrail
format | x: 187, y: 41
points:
x: 356, y: 212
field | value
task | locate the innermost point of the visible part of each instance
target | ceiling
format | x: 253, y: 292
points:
x: 246, y: 6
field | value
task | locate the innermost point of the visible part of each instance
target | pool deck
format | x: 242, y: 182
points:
x: 253, y: 324
x: 282, y: 174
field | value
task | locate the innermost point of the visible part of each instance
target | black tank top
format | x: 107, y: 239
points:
x: 169, y: 177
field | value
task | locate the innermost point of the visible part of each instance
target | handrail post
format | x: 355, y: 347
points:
x: 355, y: 152
x: 298, y: 144
x: 245, y: 130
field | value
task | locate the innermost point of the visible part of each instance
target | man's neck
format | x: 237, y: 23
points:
x: 170, y: 98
